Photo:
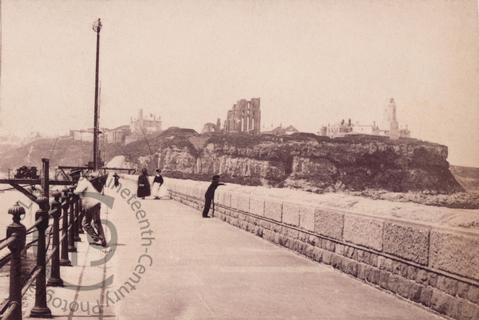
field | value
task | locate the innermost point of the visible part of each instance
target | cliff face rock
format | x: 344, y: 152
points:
x: 468, y: 177
x: 303, y: 161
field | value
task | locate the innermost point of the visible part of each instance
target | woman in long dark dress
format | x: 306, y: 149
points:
x: 143, y: 185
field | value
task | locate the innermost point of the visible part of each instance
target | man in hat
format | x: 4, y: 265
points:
x: 210, y: 194
x: 116, y: 179
x: 90, y: 199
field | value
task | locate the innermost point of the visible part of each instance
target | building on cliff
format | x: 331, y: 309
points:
x: 211, y: 127
x: 123, y: 134
x: 394, y: 132
x: 84, y: 135
x: 345, y: 128
x: 143, y: 125
x: 117, y: 135
x: 244, y: 117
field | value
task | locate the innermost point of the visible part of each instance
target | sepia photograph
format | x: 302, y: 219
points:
x: 239, y: 159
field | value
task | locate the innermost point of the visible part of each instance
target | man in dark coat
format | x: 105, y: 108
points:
x: 210, y: 194
x: 116, y: 179
x: 143, y: 185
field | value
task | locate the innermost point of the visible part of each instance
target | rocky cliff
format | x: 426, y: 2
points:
x: 301, y: 160
x: 468, y: 177
x: 304, y: 161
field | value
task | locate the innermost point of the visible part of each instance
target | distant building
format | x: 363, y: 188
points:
x: 143, y: 125
x: 394, y: 131
x: 117, y: 135
x: 338, y: 129
x: 344, y: 128
x: 85, y: 135
x: 391, y: 118
x: 405, y: 132
x: 244, y: 116
x: 211, y: 127
x: 124, y: 134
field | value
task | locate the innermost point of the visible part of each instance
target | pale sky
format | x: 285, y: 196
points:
x: 311, y: 62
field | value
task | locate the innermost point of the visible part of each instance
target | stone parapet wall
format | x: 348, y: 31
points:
x: 428, y: 264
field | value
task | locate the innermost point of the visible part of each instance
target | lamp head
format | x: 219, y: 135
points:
x: 97, y: 25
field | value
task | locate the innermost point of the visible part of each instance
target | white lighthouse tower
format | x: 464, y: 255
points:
x: 391, y: 118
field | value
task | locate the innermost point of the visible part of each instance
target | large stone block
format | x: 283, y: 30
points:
x: 441, y: 302
x: 306, y: 218
x: 225, y: 199
x: 329, y: 223
x: 454, y: 252
x: 218, y: 195
x: 291, y: 213
x: 407, y: 241
x: 256, y: 206
x: 240, y: 201
x: 364, y: 231
x: 199, y: 192
x: 191, y: 191
x: 273, y: 209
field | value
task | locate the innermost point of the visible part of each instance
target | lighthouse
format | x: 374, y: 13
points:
x: 391, y: 118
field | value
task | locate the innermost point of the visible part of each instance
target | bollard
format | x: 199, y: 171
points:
x: 64, y: 260
x: 71, y: 232
x: 55, y: 280
x: 41, y: 310
x: 76, y: 228
x: 19, y: 231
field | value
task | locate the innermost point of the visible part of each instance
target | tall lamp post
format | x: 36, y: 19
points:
x: 97, y: 28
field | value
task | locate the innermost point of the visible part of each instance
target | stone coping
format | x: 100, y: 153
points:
x: 460, y: 220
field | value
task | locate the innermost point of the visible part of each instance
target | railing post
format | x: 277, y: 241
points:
x: 64, y: 260
x: 76, y: 225
x: 19, y: 231
x: 71, y: 232
x: 45, y: 180
x: 55, y: 280
x: 81, y: 216
x: 41, y: 310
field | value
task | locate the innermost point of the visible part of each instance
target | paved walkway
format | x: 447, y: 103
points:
x: 207, y: 269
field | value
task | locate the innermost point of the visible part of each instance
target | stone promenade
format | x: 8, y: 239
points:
x: 166, y: 262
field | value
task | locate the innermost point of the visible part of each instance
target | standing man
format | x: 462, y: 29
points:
x: 210, y: 194
x: 91, y: 204
x: 116, y: 179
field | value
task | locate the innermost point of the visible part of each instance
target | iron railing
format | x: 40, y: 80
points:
x: 53, y: 245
